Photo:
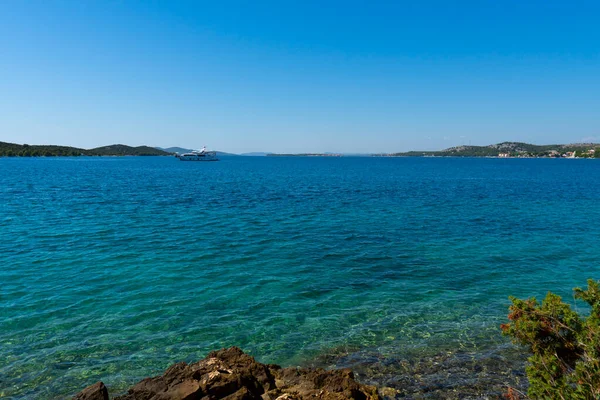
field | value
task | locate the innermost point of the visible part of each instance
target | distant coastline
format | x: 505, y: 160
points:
x: 511, y: 150
x: 500, y: 150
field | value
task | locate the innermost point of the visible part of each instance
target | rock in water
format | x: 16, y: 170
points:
x: 233, y: 375
x: 97, y: 391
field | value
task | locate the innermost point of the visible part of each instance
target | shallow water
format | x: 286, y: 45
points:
x: 114, y: 268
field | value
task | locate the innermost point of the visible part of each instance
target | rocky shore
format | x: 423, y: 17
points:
x: 233, y: 375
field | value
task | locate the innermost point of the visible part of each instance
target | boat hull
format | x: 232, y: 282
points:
x: 198, y: 156
x: 197, y: 159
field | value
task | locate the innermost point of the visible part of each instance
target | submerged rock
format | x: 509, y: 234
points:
x: 446, y: 375
x: 233, y: 375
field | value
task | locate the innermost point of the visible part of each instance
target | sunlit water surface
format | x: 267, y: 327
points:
x: 114, y: 268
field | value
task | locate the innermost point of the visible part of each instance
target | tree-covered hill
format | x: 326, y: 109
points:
x: 25, y: 150
x: 123, y: 150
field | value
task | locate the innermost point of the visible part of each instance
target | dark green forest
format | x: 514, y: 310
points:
x: 25, y: 150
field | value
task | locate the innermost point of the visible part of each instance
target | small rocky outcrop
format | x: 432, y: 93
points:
x: 233, y: 375
x: 97, y: 391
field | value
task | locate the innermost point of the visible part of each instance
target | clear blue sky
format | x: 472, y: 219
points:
x: 299, y: 76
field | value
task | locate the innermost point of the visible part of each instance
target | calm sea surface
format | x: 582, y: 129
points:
x: 114, y: 268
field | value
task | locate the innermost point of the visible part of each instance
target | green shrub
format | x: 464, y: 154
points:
x: 566, y: 346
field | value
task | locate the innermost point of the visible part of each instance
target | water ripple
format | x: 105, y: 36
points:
x: 114, y: 268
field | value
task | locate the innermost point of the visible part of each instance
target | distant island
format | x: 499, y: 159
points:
x: 25, y: 150
x: 509, y: 150
x: 500, y: 150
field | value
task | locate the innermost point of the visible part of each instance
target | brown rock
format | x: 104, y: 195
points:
x: 97, y: 391
x: 230, y: 374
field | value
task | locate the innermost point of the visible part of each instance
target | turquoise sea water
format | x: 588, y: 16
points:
x: 114, y: 268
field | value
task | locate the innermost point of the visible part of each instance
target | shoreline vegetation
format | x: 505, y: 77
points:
x: 500, y: 150
x: 564, y: 345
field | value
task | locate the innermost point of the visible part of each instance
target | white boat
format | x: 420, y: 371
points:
x: 198, y: 155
